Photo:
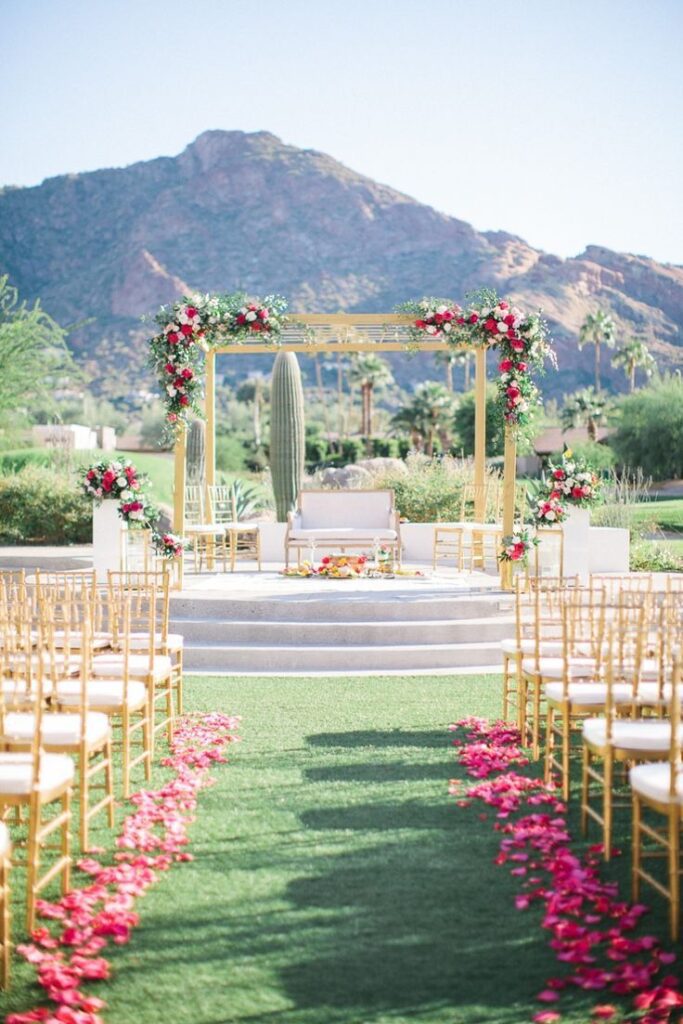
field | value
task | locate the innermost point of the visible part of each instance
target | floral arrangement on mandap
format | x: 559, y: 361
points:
x: 140, y: 513
x: 573, y: 482
x: 516, y: 547
x: 115, y: 480
x: 189, y: 328
x: 168, y: 545
x: 549, y: 511
x: 522, y: 340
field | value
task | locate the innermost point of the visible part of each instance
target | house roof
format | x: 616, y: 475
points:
x: 553, y: 439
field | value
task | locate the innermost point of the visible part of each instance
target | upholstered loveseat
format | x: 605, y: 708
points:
x: 343, y: 521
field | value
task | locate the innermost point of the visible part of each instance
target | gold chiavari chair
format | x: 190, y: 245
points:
x: 81, y: 733
x: 165, y: 642
x: 148, y: 610
x: 34, y: 779
x: 580, y: 694
x: 657, y: 788
x: 116, y: 693
x: 5, y: 910
x: 618, y: 737
x: 454, y: 540
x: 242, y: 537
x: 62, y: 588
x: 207, y: 539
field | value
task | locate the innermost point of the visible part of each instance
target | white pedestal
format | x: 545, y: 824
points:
x: 577, y: 543
x: 608, y: 549
x: 107, y: 539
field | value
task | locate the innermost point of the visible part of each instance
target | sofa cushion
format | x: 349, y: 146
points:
x: 341, y: 534
x: 367, y: 510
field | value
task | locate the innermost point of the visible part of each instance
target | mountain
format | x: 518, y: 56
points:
x: 237, y: 210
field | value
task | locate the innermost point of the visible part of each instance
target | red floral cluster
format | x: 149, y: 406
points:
x: 254, y: 318
x: 152, y: 839
x: 180, y: 335
x: 111, y: 480
x: 584, y: 915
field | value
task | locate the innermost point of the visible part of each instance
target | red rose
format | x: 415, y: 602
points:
x: 241, y: 319
x: 491, y: 325
x: 256, y: 326
x: 172, y: 417
x: 421, y: 324
x: 505, y: 365
x: 263, y: 314
x: 191, y: 311
x: 503, y: 305
x: 187, y: 373
x: 179, y: 383
x: 517, y: 345
x: 512, y: 392
x: 130, y: 472
x: 473, y: 318
x: 187, y: 330
x: 170, y: 368
x: 577, y: 492
x: 108, y: 479
x: 326, y: 560
x: 554, y: 495
x: 522, y: 367
x: 509, y: 319
x: 438, y: 318
x: 184, y: 400
x: 447, y: 315
x: 251, y: 306
x: 460, y: 320
x: 172, y: 338
x: 559, y: 474
x: 91, y: 474
x: 510, y: 335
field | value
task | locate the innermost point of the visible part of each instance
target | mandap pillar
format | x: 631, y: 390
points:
x: 179, y: 493
x: 509, y: 491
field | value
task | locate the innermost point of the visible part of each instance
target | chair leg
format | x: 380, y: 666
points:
x: 536, y: 723
x: 585, y: 788
x: 125, y: 751
x: 5, y: 963
x: 675, y: 871
x: 33, y: 863
x: 566, y: 740
x: 82, y: 771
x: 636, y: 853
x: 66, y: 841
x: 109, y: 782
x: 607, y: 805
x: 506, y: 683
x: 549, y: 742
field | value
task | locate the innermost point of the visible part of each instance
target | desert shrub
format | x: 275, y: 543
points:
x: 352, y: 449
x: 385, y: 447
x: 431, y: 490
x: 654, y: 557
x: 16, y: 460
x: 38, y: 506
x: 623, y: 494
x: 650, y: 430
x: 231, y: 455
x: 463, y: 421
x: 317, y: 451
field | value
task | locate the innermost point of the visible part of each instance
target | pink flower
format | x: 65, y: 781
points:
x: 173, y: 337
x: 546, y: 1017
x: 191, y: 311
x: 473, y: 318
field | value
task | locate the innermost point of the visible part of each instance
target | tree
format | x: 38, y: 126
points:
x: 598, y: 329
x: 428, y: 414
x: 371, y: 372
x: 584, y: 408
x: 464, y: 423
x: 34, y: 358
x: 634, y: 355
x: 255, y: 390
x: 649, y: 434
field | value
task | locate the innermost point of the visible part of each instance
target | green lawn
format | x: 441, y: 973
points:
x: 335, y: 881
x: 667, y: 515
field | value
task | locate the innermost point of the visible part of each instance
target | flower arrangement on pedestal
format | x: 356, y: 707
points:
x: 573, y: 482
x: 517, y: 546
x: 168, y: 545
x: 140, y: 513
x: 116, y: 480
x: 188, y: 328
x: 549, y: 511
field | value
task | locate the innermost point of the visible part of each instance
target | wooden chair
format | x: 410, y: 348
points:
x: 657, y: 788
x: 208, y: 538
x: 34, y: 779
x: 242, y: 537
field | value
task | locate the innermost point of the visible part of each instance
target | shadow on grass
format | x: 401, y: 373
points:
x: 372, y: 738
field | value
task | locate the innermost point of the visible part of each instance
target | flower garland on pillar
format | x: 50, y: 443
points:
x: 188, y: 329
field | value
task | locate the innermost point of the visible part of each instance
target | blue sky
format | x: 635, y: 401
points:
x: 558, y: 120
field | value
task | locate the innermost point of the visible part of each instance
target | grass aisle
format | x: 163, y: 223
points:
x: 334, y: 879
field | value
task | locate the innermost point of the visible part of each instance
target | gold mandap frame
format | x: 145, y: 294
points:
x: 311, y: 333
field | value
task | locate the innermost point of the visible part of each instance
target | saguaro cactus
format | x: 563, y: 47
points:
x: 196, y: 452
x: 287, y: 432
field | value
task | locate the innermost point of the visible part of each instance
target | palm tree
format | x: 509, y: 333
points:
x: 371, y: 372
x: 632, y: 356
x: 451, y: 357
x: 598, y: 329
x: 428, y: 413
x: 584, y: 408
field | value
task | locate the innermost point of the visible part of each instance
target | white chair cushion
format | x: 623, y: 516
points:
x: 16, y: 772
x: 59, y: 729
x: 553, y: 667
x: 112, y: 665
x: 364, y: 510
x: 469, y: 528
x: 102, y: 693
x: 241, y: 527
x: 206, y: 530
x: 630, y: 734
x: 654, y: 781
x: 649, y: 693
x: 341, y: 534
x: 140, y: 641
x: 588, y: 693
x: 549, y: 648
x: 5, y: 845
x: 98, y: 641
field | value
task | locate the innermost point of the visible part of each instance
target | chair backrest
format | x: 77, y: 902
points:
x: 488, y: 496
x: 675, y: 759
x: 223, y: 504
x: 366, y: 510
x: 194, y: 504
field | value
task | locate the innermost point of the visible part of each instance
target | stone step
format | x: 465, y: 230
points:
x: 351, y: 607
x: 207, y: 632
x: 256, y: 658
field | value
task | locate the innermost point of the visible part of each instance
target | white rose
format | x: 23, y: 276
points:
x: 550, y: 516
x: 121, y: 481
x: 126, y: 495
x: 429, y: 315
x: 171, y: 390
x: 502, y: 327
x: 430, y: 329
x: 446, y: 327
x: 441, y: 309
x: 250, y: 316
x: 485, y: 312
